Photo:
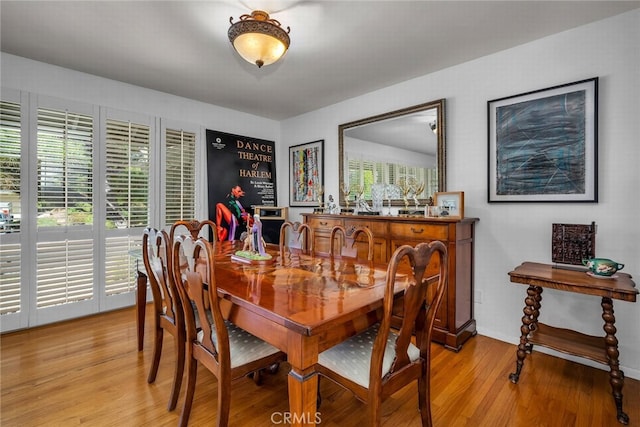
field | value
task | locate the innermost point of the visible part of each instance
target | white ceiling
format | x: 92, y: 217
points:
x: 339, y: 49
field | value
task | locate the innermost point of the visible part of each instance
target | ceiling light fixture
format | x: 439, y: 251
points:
x: 259, y: 39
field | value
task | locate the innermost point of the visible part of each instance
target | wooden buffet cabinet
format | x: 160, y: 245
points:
x: 454, y: 321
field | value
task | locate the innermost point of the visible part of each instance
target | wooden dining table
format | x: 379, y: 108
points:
x: 302, y: 305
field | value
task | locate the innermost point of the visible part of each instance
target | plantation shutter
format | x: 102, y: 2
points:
x: 10, y: 137
x: 65, y: 168
x: 127, y: 166
x: 180, y: 152
x: 355, y: 174
x: 64, y: 248
x: 65, y: 272
x: 368, y: 177
x: 127, y: 200
x: 120, y: 268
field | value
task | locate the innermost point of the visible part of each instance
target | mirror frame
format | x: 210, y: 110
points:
x: 438, y: 104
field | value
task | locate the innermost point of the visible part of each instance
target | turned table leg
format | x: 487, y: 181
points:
x: 141, y: 304
x: 616, y: 376
x: 532, y: 304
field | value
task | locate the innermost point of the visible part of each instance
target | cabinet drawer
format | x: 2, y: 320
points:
x: 324, y: 224
x: 419, y: 231
x: 378, y: 228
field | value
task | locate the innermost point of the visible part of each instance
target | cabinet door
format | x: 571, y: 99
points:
x: 322, y: 233
x: 378, y: 229
x: 434, y: 266
x: 413, y: 234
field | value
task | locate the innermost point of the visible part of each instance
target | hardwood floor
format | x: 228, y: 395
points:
x: 88, y: 372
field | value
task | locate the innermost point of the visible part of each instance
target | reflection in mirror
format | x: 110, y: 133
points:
x: 396, y: 158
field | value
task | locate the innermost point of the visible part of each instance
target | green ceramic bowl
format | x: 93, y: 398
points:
x: 602, y: 266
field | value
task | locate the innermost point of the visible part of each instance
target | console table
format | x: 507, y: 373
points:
x: 454, y: 323
x: 599, y: 349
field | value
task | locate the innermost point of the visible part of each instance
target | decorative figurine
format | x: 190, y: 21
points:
x: 410, y: 189
x: 417, y: 188
x: 332, y: 208
x: 406, y: 189
x: 253, y: 250
x: 346, y: 190
x: 319, y: 190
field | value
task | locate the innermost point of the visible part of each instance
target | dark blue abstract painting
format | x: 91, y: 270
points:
x: 540, y: 146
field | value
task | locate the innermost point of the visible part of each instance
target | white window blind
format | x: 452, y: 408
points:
x: 368, y: 172
x: 120, y: 266
x: 180, y: 152
x: 127, y: 163
x: 65, y: 272
x: 10, y: 137
x: 9, y: 278
x: 65, y: 168
x: 127, y: 210
x: 64, y: 249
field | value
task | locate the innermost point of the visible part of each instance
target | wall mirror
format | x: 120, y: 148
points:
x: 381, y: 155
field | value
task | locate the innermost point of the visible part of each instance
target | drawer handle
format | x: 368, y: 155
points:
x: 323, y: 223
x: 417, y: 231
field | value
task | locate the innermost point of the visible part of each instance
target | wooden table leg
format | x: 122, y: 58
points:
x: 532, y: 304
x: 303, y: 380
x: 616, y: 376
x: 141, y: 305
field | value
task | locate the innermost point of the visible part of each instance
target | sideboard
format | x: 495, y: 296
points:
x: 454, y: 320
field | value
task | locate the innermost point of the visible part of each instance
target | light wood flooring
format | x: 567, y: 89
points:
x: 88, y: 372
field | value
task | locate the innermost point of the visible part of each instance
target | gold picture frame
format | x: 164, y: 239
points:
x: 451, y: 203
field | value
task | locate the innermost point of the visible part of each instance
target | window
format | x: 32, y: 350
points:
x: 65, y: 272
x: 127, y: 163
x: 78, y: 185
x: 10, y: 212
x: 127, y: 200
x: 64, y: 249
x: 65, y: 168
x: 120, y: 269
x: 180, y: 152
x: 365, y: 173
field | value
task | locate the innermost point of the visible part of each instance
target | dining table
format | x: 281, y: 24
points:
x: 302, y: 304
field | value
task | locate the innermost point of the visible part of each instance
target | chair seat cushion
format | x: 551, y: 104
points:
x: 243, y: 346
x: 352, y: 358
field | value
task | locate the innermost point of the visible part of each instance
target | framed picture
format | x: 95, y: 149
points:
x: 306, y: 174
x: 543, y: 145
x: 451, y: 203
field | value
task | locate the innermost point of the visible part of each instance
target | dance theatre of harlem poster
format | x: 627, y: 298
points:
x: 241, y: 173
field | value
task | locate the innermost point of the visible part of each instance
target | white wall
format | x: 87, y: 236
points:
x: 508, y: 234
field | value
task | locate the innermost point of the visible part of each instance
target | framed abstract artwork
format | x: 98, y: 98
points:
x: 543, y: 145
x: 306, y: 174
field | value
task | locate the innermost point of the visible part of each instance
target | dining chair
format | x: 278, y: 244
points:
x: 296, y: 231
x: 167, y: 309
x: 226, y: 350
x: 195, y: 228
x: 349, y: 246
x: 376, y: 363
